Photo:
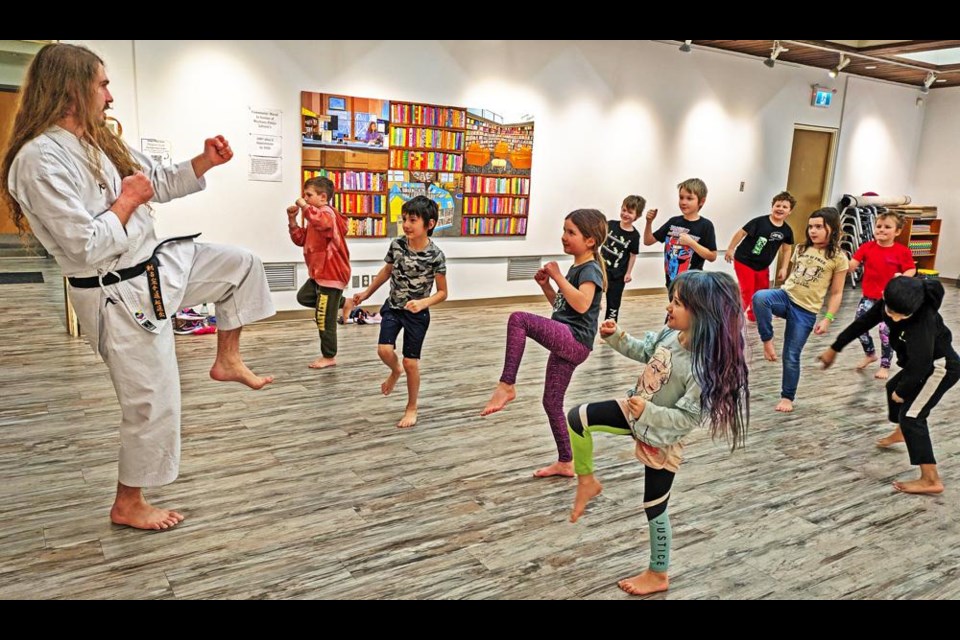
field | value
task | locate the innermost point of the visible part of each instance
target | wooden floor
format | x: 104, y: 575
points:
x: 307, y: 490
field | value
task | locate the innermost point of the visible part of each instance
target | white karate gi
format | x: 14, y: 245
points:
x: 67, y: 205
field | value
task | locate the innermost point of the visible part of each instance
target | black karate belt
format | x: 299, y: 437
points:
x: 148, y: 267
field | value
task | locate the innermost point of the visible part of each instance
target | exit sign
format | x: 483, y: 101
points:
x: 822, y: 97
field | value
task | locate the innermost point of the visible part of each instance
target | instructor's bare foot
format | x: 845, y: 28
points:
x: 226, y: 370
x: 588, y: 487
x: 323, y: 363
x: 882, y: 373
x: 768, y: 351
x: 890, y: 440
x: 867, y: 361
x: 784, y: 406
x: 558, y: 468
x: 503, y: 394
x: 919, y: 486
x: 386, y: 387
x: 409, y: 418
x: 141, y: 515
x: 646, y: 583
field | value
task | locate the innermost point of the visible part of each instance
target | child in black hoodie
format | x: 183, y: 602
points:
x: 929, y: 366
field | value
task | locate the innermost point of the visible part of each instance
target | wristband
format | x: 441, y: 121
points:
x: 829, y: 316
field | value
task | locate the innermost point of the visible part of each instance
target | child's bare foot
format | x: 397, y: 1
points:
x: 141, y: 515
x: 919, y: 486
x: 409, y: 419
x: 867, y: 361
x: 558, y: 468
x: 228, y: 370
x: 503, y: 394
x: 784, y: 406
x: 588, y: 487
x: 323, y: 363
x: 882, y: 373
x: 387, y: 386
x: 646, y: 583
x: 888, y: 441
x: 768, y: 351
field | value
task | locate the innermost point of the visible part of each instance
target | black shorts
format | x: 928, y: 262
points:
x: 414, y: 327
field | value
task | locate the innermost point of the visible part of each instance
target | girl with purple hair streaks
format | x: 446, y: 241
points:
x: 694, y: 372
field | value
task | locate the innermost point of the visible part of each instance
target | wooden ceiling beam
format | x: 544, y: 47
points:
x: 914, y: 46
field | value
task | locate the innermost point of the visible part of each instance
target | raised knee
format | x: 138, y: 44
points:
x: 384, y: 350
x: 573, y: 420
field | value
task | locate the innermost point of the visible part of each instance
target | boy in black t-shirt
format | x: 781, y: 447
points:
x: 689, y: 239
x: 619, y: 252
x: 757, y: 244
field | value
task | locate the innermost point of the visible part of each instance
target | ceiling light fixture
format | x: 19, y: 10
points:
x: 685, y: 47
x: 929, y: 80
x: 774, y: 52
x: 844, y: 61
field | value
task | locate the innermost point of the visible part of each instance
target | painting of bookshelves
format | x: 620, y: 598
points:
x: 343, y: 140
x: 473, y: 163
x: 426, y: 137
x: 426, y: 158
x: 361, y: 196
x: 496, y: 190
x: 494, y: 205
x: 497, y: 148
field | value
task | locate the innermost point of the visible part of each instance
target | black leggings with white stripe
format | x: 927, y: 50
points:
x: 912, y: 414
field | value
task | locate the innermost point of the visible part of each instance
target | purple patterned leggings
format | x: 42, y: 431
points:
x: 886, y: 351
x: 565, y: 355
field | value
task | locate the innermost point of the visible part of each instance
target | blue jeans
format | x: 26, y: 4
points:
x: 800, y: 322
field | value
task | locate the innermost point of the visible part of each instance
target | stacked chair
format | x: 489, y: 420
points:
x: 856, y: 227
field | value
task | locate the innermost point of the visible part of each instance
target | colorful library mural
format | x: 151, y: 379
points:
x: 380, y: 153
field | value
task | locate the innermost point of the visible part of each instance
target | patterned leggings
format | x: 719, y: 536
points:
x: 867, y: 342
x: 565, y: 355
x: 608, y: 417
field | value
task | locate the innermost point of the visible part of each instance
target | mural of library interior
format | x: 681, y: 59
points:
x: 380, y: 154
x: 427, y: 319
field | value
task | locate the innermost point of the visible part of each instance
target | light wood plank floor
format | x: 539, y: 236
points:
x: 307, y: 490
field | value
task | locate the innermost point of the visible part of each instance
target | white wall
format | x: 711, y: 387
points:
x: 612, y: 118
x: 937, y: 170
x: 879, y: 140
x: 11, y: 74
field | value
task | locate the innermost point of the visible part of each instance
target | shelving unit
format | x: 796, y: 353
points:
x: 360, y: 183
x: 426, y: 137
x: 426, y: 148
x: 487, y: 134
x: 922, y: 237
x: 493, y: 226
x: 496, y: 189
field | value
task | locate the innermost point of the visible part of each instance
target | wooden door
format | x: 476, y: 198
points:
x: 8, y: 109
x: 808, y: 180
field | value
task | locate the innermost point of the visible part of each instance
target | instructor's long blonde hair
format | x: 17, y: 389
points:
x: 60, y: 81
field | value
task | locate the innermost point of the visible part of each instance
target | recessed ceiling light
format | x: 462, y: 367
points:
x: 942, y: 80
x: 870, y: 66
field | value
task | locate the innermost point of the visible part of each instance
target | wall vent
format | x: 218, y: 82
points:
x: 523, y: 268
x: 281, y: 276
